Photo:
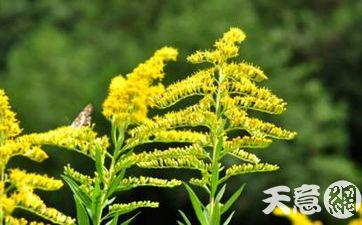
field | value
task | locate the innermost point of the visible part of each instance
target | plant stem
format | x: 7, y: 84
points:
x: 117, y: 139
x: 2, y: 193
x: 217, y: 137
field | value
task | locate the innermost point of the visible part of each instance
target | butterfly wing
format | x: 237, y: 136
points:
x: 84, y: 117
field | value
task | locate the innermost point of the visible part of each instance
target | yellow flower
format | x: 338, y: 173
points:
x: 22, y: 195
x: 33, y: 181
x: 129, y: 98
x: 81, y: 139
x: 15, y: 221
x: 32, y: 202
x: 9, y: 125
x: 296, y: 218
x: 18, y: 147
x: 225, y: 48
x: 8, y: 205
x: 127, y: 207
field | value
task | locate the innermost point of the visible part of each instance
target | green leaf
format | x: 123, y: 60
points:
x: 82, y: 216
x: 187, y: 221
x: 215, y: 218
x: 215, y: 169
x: 221, y: 193
x: 227, y: 221
x: 99, y: 163
x: 113, y: 221
x: 129, y: 220
x: 97, y: 202
x: 197, y: 205
x: 115, y: 183
x: 232, y: 199
x: 86, y: 200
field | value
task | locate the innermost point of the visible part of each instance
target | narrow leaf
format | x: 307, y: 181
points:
x: 187, y: 221
x: 227, y: 221
x: 221, y: 193
x: 77, y: 191
x: 215, y: 218
x: 99, y: 163
x: 197, y: 205
x: 96, y: 201
x: 232, y: 199
x: 82, y: 216
x: 115, y: 183
x: 130, y: 220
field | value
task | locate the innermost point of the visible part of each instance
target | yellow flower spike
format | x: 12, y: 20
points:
x: 186, y: 162
x: 131, y: 182
x: 247, y: 142
x: 129, y: 98
x: 244, y: 70
x: 200, y: 83
x: 9, y: 125
x: 250, y: 168
x: 9, y: 220
x: 192, y: 150
x: 245, y: 156
x: 27, y: 200
x: 16, y: 147
x: 296, y: 218
x: 22, y: 184
x: 81, y: 139
x: 231, y: 37
x: 152, y: 69
x: 8, y: 205
x: 34, y: 181
x: 126, y: 207
x: 81, y: 178
x: 225, y: 48
x: 181, y: 136
x: 228, y: 91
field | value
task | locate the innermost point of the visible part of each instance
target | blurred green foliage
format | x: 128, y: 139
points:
x: 57, y: 56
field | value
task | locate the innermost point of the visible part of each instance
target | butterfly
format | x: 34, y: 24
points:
x: 84, y: 117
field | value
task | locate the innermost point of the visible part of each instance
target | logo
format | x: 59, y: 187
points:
x: 342, y: 199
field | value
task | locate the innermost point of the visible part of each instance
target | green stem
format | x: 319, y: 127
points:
x: 2, y: 193
x: 117, y: 135
x: 217, y: 136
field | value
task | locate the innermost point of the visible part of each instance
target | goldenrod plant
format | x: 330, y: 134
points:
x: 228, y: 93
x: 126, y: 106
x: 296, y: 218
x: 17, y: 187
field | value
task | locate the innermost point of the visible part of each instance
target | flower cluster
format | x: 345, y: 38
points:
x: 228, y: 91
x: 225, y: 48
x: 296, y: 218
x: 126, y: 105
x: 17, y: 186
x: 81, y: 139
x: 128, y: 98
x: 9, y: 126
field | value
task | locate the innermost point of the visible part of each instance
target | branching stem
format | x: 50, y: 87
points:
x: 216, y: 133
x: 117, y: 135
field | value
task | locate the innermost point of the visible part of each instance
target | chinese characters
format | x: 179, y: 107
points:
x: 341, y: 199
